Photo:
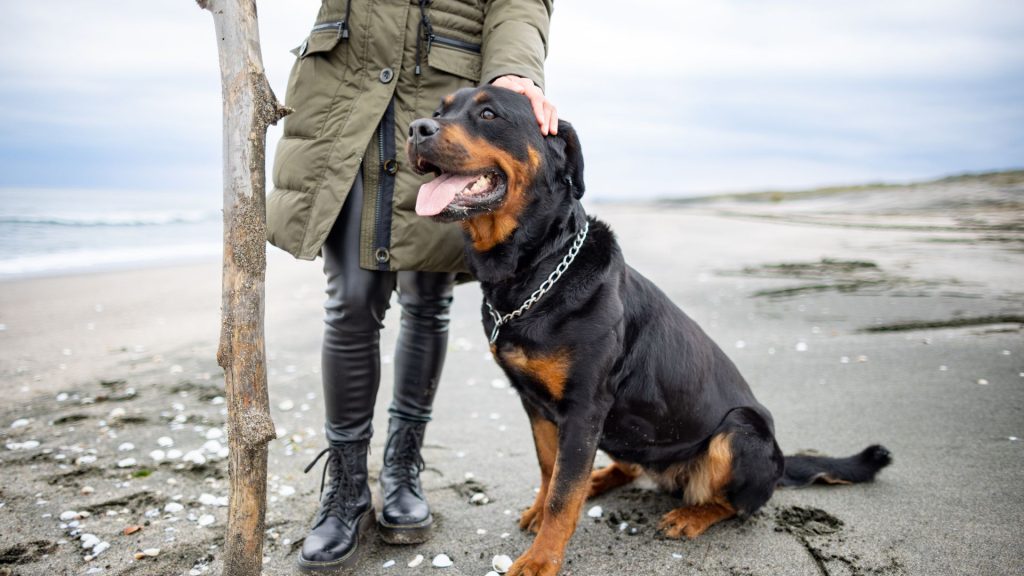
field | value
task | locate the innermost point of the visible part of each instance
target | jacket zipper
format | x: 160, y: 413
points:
x: 452, y: 43
x: 338, y: 25
x: 378, y: 224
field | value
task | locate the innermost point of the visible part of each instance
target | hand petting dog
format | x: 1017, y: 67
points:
x: 543, y: 109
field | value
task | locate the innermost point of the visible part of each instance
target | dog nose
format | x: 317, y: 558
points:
x: 422, y: 129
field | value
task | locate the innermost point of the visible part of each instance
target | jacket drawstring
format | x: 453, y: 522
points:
x: 344, y: 23
x: 424, y: 31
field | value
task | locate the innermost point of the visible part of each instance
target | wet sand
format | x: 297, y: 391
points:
x: 889, y: 315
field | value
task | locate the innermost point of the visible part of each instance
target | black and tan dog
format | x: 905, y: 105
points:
x: 602, y: 358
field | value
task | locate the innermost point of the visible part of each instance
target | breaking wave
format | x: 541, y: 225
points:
x: 114, y: 218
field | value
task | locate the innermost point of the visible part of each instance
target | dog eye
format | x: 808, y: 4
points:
x: 487, y: 114
x: 437, y: 114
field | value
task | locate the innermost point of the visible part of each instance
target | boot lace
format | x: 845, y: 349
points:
x: 343, y: 490
x: 402, y: 454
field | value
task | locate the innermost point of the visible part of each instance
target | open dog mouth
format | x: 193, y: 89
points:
x: 454, y: 196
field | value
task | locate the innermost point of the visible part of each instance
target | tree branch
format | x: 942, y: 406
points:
x: 249, y: 107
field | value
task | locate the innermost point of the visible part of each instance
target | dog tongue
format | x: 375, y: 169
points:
x: 440, y: 192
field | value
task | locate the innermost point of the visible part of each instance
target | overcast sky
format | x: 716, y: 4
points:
x: 670, y: 98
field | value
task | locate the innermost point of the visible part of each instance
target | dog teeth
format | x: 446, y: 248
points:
x: 481, y: 184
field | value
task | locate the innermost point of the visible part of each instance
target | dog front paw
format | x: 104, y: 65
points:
x: 534, y: 564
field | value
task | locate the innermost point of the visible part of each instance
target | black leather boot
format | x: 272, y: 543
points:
x: 405, y: 516
x: 345, y: 518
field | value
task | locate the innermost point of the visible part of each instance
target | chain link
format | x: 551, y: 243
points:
x: 500, y: 320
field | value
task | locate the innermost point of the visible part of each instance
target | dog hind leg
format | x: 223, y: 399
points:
x: 757, y: 462
x: 612, y: 476
x: 735, y: 476
x: 704, y: 491
x: 692, y: 521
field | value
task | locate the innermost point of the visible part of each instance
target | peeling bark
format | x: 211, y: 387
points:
x: 249, y: 107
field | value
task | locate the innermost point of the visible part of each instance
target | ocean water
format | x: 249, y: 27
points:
x: 52, y: 232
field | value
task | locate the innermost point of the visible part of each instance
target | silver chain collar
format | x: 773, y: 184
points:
x: 545, y: 286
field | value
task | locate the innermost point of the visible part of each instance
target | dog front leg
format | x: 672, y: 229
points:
x: 545, y: 440
x: 566, y: 491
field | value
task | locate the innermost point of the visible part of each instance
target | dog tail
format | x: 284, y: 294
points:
x: 805, y: 469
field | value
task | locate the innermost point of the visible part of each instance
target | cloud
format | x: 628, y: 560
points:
x: 669, y: 97
x: 704, y: 96
x: 743, y: 39
x: 115, y: 90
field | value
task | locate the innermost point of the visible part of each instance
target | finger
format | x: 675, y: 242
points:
x: 553, y: 119
x: 550, y: 118
x: 537, y: 102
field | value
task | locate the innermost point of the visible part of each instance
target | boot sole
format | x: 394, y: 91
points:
x: 342, y: 565
x: 405, y: 533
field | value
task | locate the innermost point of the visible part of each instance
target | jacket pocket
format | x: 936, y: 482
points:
x: 315, y: 79
x: 455, y: 57
x: 323, y: 38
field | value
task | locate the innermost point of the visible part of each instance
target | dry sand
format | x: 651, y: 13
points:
x: 890, y: 315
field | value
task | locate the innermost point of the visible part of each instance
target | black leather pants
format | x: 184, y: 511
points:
x: 356, y: 302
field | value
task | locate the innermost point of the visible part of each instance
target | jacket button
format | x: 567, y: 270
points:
x: 382, y: 255
x: 386, y: 75
x: 391, y: 167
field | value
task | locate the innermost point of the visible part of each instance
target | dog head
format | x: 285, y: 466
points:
x: 491, y: 163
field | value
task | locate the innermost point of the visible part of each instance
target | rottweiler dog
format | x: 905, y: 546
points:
x: 600, y: 357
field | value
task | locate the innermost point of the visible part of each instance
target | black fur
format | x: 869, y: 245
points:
x: 803, y: 469
x: 645, y: 383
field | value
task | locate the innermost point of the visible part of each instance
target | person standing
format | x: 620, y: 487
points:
x: 342, y: 190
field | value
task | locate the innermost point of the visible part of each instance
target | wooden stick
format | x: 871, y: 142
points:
x: 249, y: 107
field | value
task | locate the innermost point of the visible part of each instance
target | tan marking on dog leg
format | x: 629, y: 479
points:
x: 692, y: 521
x: 710, y: 473
x: 613, y: 476
x: 707, y: 478
x: 545, y: 440
x: 545, y: 555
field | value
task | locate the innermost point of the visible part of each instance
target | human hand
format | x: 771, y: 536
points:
x: 543, y: 109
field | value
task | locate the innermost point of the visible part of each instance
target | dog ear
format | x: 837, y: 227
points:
x: 568, y: 145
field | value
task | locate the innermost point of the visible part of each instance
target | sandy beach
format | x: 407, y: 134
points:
x: 872, y: 314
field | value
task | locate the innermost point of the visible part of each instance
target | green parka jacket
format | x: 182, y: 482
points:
x: 367, y: 69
